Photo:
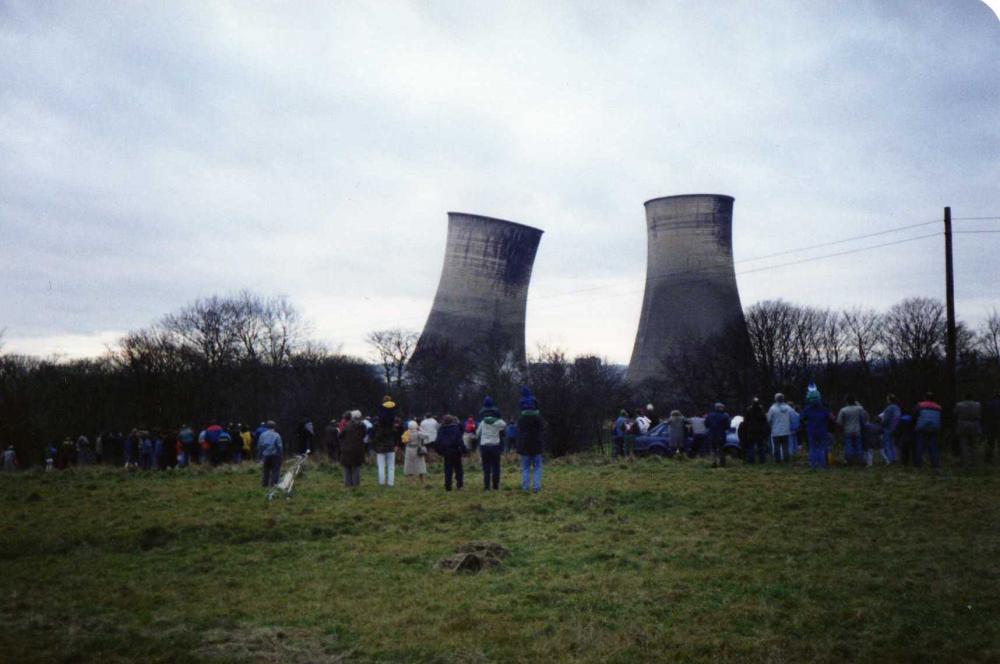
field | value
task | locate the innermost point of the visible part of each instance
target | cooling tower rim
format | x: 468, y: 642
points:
x: 667, y: 198
x: 496, y: 219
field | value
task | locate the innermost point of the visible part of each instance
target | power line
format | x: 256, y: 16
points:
x: 849, y: 239
x: 756, y: 258
x: 841, y: 253
x: 696, y: 274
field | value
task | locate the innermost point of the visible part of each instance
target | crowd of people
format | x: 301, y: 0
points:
x: 780, y: 430
x: 896, y: 434
x: 351, y: 441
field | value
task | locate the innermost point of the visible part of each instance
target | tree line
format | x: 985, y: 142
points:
x: 245, y: 357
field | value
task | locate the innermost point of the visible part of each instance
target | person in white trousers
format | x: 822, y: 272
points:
x: 385, y: 442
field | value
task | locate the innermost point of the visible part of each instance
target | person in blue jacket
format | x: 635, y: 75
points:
x: 889, y: 419
x: 717, y: 422
x: 816, y: 419
x: 927, y: 426
x: 271, y: 448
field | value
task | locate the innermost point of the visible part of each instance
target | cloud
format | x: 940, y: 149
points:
x: 150, y: 155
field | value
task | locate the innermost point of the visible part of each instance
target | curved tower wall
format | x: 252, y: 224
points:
x: 691, y: 291
x: 483, y: 292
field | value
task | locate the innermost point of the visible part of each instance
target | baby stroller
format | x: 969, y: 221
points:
x: 288, y: 479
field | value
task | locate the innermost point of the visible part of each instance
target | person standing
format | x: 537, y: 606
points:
x: 991, y: 425
x: 352, y: 449
x: 618, y: 432
x: 754, y: 433
x: 968, y: 426
x: 385, y: 442
x: 331, y: 440
x: 717, y: 423
x: 130, y: 448
x: 889, y: 419
x: 642, y: 422
x: 699, y: 436
x: 488, y: 432
x: 415, y: 454
x: 651, y: 415
x: 246, y: 443
x: 851, y: 419
x: 429, y: 427
x: 305, y: 434
x: 779, y: 419
x: 9, y: 459
x: 185, y: 438
x: 145, y: 451
x: 451, y: 448
x: 926, y: 428
x: 816, y: 419
x: 677, y: 428
x: 529, y: 441
x: 213, y: 443
x: 271, y: 450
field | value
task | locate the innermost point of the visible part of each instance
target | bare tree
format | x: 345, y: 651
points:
x: 988, y: 338
x: 392, y: 349
x: 863, y: 332
x: 283, y: 331
x: 914, y: 331
x: 772, y: 325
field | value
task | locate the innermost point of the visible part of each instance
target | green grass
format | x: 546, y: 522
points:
x: 650, y: 560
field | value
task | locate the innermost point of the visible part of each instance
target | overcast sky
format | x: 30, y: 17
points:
x: 153, y: 153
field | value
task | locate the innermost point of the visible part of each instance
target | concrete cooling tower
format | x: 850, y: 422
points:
x: 691, y: 291
x: 483, y: 292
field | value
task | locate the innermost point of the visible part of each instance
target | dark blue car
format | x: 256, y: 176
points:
x: 657, y: 441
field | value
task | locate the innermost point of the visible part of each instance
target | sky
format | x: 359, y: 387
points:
x: 154, y: 153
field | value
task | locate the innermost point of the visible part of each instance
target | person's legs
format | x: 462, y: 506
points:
x: 265, y: 471
x: 918, y: 450
x: 496, y: 469
x: 380, y: 462
x: 276, y: 470
x: 449, y: 470
x: 348, y: 476
x: 852, y: 448
x: 390, y: 462
x: 718, y: 454
x: 965, y: 444
x: 933, y: 450
x: 459, y: 473
x: 813, y: 451
x: 525, y: 470
x: 780, y: 449
x: 484, y: 457
x: 536, y: 462
x: 761, y: 446
x: 886, y: 451
x: 491, y: 466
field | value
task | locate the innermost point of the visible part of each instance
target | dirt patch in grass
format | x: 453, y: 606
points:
x: 474, y: 557
x: 264, y: 645
x: 154, y: 536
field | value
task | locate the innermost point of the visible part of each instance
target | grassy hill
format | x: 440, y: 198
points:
x: 649, y: 560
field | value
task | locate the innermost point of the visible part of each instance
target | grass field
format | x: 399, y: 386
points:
x: 612, y: 562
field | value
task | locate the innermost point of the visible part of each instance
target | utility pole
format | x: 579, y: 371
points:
x: 951, y: 350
